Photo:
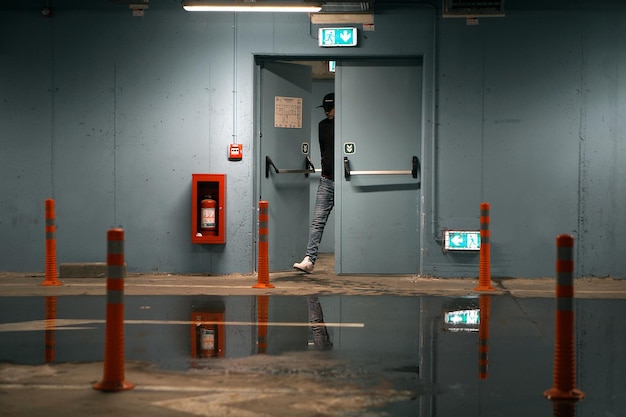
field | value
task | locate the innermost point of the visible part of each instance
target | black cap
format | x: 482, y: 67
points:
x: 329, y: 101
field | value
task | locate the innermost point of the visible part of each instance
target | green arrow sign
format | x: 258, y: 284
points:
x: 461, y: 240
x: 462, y: 317
x: 337, y: 37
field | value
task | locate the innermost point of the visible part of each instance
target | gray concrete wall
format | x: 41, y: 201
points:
x: 110, y: 115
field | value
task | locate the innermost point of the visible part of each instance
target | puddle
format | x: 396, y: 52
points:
x: 425, y: 350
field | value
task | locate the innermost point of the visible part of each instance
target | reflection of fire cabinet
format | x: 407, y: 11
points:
x: 208, y: 208
x: 207, y: 335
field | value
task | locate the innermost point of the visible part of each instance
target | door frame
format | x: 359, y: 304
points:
x: 428, y: 203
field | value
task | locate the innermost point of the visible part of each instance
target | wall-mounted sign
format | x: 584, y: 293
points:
x: 337, y: 37
x: 461, y: 240
x: 288, y: 112
x: 349, y: 148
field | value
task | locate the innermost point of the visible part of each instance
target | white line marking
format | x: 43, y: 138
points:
x: 60, y: 324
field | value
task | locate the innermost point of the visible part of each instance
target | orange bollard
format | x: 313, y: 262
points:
x: 562, y: 408
x: 262, y: 306
x: 564, y: 384
x: 51, y: 315
x: 113, y: 379
x: 51, y: 247
x: 484, y: 276
x: 263, y: 279
x: 484, y: 303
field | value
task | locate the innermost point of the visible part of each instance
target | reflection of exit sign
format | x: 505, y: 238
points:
x: 461, y: 240
x: 337, y: 36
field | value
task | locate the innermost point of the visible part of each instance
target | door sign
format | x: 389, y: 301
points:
x: 349, y: 148
x: 288, y: 112
x: 305, y: 148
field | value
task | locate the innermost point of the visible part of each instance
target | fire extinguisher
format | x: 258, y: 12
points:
x: 207, y: 214
x: 207, y: 341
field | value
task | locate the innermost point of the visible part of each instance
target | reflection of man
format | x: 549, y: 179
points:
x: 321, y: 340
x: 325, y: 199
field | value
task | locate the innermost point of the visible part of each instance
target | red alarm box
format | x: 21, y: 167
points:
x: 235, y: 151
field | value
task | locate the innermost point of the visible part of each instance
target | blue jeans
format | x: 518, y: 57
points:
x: 321, y: 339
x: 324, y: 203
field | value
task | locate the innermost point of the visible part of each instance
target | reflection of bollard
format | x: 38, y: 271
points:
x: 113, y: 379
x: 484, y: 303
x: 51, y: 246
x: 262, y: 312
x: 564, y: 386
x: 263, y: 279
x: 51, y: 315
x: 484, y: 277
x: 562, y: 408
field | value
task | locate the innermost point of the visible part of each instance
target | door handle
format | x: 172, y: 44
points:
x: 309, y: 168
x: 414, y: 171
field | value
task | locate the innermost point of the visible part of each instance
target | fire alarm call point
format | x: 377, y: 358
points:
x: 235, y: 151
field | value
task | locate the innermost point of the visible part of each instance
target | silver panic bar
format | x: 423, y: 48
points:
x: 310, y: 169
x: 413, y: 171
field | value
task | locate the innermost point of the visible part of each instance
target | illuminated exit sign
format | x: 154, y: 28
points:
x: 461, y: 240
x: 337, y: 37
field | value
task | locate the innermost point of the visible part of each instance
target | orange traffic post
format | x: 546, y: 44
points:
x: 113, y: 379
x: 263, y: 302
x: 564, y: 382
x: 51, y: 315
x: 51, y: 247
x: 484, y: 303
x: 263, y: 279
x: 562, y: 408
x: 484, y: 276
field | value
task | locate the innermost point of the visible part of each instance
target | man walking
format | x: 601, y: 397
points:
x: 325, y: 199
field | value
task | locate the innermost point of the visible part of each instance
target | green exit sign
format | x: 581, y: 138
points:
x: 337, y: 37
x: 461, y: 240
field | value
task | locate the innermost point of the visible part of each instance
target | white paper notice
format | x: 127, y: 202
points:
x: 288, y: 112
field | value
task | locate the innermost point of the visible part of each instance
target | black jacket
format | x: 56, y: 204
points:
x: 327, y: 147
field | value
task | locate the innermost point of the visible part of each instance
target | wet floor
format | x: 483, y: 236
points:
x: 405, y: 356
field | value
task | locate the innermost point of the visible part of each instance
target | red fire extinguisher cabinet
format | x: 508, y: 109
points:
x: 208, y: 190
x: 207, y: 335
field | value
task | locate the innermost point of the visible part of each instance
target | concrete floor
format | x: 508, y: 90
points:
x: 323, y: 281
x: 297, y: 384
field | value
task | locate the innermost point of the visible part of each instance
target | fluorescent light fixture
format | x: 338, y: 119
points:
x: 252, y: 6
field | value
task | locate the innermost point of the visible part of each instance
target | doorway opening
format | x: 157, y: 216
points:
x: 375, y: 223
x: 323, y: 82
x: 292, y: 85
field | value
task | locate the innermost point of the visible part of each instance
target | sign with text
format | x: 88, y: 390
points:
x: 330, y: 37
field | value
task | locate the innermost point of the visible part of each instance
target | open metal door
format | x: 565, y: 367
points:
x: 285, y: 128
x: 377, y: 178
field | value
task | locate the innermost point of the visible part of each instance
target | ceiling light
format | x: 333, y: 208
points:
x: 251, y: 6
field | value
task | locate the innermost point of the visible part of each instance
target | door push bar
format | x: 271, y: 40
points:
x: 310, y: 169
x: 413, y: 172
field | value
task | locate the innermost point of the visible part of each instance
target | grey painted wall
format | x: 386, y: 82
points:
x: 110, y: 115
x: 531, y: 120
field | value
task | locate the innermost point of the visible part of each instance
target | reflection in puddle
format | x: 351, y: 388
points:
x: 470, y: 356
x: 321, y: 339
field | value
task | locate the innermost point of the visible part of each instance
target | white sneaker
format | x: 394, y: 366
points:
x: 305, y: 266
